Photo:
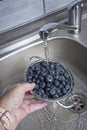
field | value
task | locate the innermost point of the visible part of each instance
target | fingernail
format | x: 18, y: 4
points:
x: 33, y: 84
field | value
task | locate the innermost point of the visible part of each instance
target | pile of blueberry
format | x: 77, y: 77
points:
x: 51, y: 79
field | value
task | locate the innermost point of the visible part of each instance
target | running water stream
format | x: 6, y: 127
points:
x: 46, y: 50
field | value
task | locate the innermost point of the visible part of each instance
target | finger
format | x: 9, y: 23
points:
x: 36, y: 106
x: 33, y: 100
x: 26, y: 86
x: 25, y: 105
x: 27, y: 108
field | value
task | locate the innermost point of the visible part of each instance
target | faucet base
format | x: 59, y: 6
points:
x: 74, y: 31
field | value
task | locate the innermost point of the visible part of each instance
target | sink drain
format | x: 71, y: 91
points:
x: 79, y: 102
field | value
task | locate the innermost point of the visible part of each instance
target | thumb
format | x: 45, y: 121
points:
x: 25, y: 87
x: 28, y: 86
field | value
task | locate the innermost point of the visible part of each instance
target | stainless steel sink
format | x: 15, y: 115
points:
x: 69, y: 53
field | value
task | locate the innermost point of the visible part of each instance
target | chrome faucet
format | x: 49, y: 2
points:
x: 74, y: 21
x: 75, y: 15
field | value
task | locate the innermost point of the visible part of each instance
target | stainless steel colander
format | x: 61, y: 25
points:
x: 37, y: 60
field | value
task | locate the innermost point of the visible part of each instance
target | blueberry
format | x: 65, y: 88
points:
x: 55, y: 96
x: 68, y: 81
x: 42, y: 91
x: 37, y: 81
x: 35, y: 76
x: 47, y: 89
x: 64, y: 83
x: 37, y: 68
x: 64, y: 91
x: 43, y: 73
x: 30, y: 70
x: 61, y: 71
x: 43, y: 69
x: 44, y: 63
x: 61, y: 78
x: 67, y: 87
x: 52, y: 65
x: 41, y: 78
x: 47, y: 93
x: 29, y: 77
x: 61, y: 86
x: 49, y: 84
x: 57, y: 72
x: 58, y: 91
x: 36, y: 86
x: 49, y: 78
x: 53, y: 90
x: 61, y: 94
x: 56, y: 76
x: 29, y: 80
x: 52, y: 72
x: 57, y: 66
x: 56, y: 82
x: 39, y: 92
x: 66, y: 75
x: 32, y: 67
x: 42, y: 85
x: 33, y: 80
x: 35, y: 90
x: 45, y: 96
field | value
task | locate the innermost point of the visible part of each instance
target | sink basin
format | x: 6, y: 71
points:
x: 70, y: 54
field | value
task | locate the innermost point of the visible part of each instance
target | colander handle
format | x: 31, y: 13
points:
x: 35, y: 57
x: 65, y: 106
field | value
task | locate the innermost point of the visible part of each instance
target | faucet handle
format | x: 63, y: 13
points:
x: 75, y: 15
x: 74, y: 3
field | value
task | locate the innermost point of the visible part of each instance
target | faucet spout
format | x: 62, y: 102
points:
x: 46, y: 30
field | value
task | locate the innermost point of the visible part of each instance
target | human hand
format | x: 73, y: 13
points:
x: 13, y: 100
